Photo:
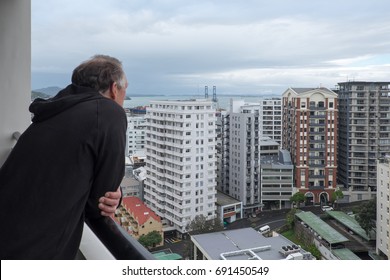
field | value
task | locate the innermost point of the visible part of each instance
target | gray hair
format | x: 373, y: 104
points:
x: 99, y: 73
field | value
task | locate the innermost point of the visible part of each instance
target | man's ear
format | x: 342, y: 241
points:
x: 113, y: 91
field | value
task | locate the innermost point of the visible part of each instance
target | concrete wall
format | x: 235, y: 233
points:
x: 15, y: 71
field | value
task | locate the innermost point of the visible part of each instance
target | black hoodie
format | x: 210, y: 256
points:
x: 70, y: 155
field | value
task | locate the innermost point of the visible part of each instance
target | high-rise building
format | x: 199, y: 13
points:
x: 242, y: 129
x: 383, y: 208
x: 135, y: 134
x: 310, y: 135
x: 223, y: 151
x: 181, y: 161
x: 263, y: 118
x: 364, y: 132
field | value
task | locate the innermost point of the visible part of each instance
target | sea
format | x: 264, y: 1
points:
x: 223, y: 101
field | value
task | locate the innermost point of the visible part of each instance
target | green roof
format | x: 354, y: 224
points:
x: 321, y: 228
x: 345, y: 254
x: 159, y: 254
x: 349, y: 222
x: 165, y: 256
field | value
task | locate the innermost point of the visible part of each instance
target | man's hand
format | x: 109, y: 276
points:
x: 109, y: 202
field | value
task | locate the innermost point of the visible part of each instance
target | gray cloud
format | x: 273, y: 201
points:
x: 245, y: 47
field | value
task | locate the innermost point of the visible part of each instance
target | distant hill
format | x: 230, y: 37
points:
x: 37, y: 94
x: 51, y: 91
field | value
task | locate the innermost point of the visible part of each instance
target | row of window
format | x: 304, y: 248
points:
x: 180, y: 107
x: 319, y: 104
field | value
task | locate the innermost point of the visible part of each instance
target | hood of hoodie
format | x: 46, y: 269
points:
x: 71, y: 95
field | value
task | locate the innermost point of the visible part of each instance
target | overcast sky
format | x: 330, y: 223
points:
x: 241, y: 47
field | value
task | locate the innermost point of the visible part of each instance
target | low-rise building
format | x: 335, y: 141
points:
x: 246, y: 244
x: 138, y: 219
x: 131, y: 187
x: 276, y: 178
x: 331, y: 243
x: 229, y: 209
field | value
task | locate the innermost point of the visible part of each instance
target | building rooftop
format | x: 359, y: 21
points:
x: 140, y: 173
x: 224, y: 199
x: 139, y: 210
x: 345, y: 254
x: 303, y: 90
x: 285, y: 157
x: 129, y: 182
x: 167, y: 256
x: 243, y: 244
x: 326, y: 232
x: 349, y: 222
x: 362, y: 82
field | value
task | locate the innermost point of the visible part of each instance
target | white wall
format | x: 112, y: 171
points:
x: 15, y: 70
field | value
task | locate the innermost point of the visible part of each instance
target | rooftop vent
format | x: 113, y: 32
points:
x: 289, y: 249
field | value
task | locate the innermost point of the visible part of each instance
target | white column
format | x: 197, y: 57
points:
x: 15, y: 71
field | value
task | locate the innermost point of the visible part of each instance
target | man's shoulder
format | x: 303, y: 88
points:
x: 109, y: 111
x: 109, y: 106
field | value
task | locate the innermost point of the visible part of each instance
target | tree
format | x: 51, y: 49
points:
x: 336, y: 195
x: 297, y: 198
x: 366, y: 216
x: 150, y: 239
x: 201, y: 225
x: 290, y: 218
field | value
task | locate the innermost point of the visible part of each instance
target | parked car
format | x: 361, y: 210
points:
x: 326, y: 208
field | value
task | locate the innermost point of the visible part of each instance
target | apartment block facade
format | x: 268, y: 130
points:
x: 276, y: 178
x: 241, y: 130
x: 264, y: 118
x: 383, y: 208
x: 135, y: 134
x: 364, y: 132
x: 223, y: 156
x: 310, y: 134
x: 181, y: 161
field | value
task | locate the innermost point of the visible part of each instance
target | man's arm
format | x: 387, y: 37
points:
x: 109, y: 166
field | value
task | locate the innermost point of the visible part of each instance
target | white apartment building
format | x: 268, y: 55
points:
x: 383, y: 208
x: 248, y: 125
x: 181, y: 161
x: 266, y: 116
x: 135, y: 134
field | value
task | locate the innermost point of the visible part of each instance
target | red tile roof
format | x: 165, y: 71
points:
x: 139, y: 210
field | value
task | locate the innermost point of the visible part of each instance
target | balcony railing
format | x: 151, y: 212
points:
x: 105, y: 239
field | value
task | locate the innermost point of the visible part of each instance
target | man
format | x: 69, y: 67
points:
x: 67, y: 166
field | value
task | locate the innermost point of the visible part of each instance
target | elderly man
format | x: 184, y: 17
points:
x: 67, y: 166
